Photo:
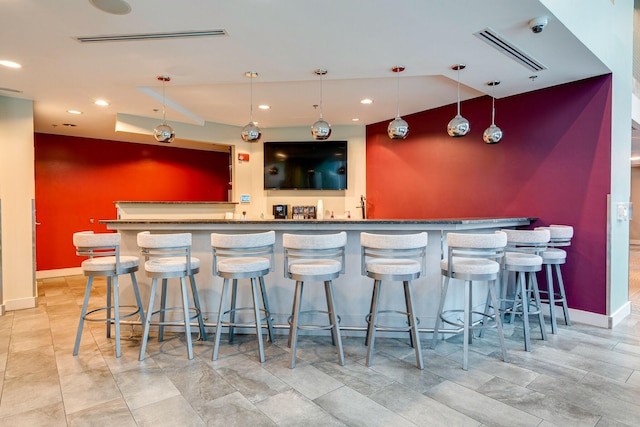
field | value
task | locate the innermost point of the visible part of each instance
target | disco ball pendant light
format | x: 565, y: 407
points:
x: 398, y: 128
x: 164, y: 132
x: 251, y: 132
x: 458, y: 126
x: 492, y: 134
x: 321, y: 130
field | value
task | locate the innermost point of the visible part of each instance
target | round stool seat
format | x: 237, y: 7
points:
x: 393, y: 266
x: 463, y: 265
x: 108, y: 263
x: 244, y: 264
x: 554, y: 256
x: 315, y: 267
x: 170, y: 264
x: 519, y: 259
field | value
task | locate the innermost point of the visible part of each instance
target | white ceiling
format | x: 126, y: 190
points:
x: 357, y: 41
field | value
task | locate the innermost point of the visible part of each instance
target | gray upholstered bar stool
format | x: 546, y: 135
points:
x: 243, y: 256
x: 522, y: 258
x: 104, y: 260
x: 168, y: 256
x: 471, y: 258
x: 400, y: 257
x: 552, y: 259
x: 314, y: 258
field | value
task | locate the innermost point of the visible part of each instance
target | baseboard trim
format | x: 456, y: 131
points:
x: 21, y: 304
x: 593, y: 319
x: 619, y: 315
x: 48, y: 274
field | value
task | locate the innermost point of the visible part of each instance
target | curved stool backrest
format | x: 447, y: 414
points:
x: 243, y: 256
x: 553, y: 258
x: 174, y: 245
x: 95, y: 245
x: 314, y: 258
x: 393, y: 247
x: 474, y: 246
x: 169, y: 256
x: 399, y: 258
x: 301, y: 248
x: 103, y: 259
x: 242, y: 246
x: 472, y: 258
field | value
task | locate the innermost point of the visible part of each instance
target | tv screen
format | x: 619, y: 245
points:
x: 315, y: 165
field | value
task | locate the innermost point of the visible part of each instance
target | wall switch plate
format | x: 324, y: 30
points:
x: 625, y: 211
x: 245, y: 198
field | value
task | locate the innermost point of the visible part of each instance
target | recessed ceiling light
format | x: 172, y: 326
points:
x: 366, y: 101
x: 10, y: 64
x: 355, y: 119
x: 115, y: 7
x: 71, y: 125
x: 101, y: 102
x: 74, y: 112
x: 264, y: 107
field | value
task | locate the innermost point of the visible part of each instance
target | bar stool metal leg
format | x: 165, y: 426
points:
x: 216, y: 340
x: 293, y: 332
x: 335, y: 332
x: 256, y: 312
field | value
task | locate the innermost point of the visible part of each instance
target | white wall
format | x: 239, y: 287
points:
x: 17, y: 193
x: 248, y: 176
x: 606, y: 28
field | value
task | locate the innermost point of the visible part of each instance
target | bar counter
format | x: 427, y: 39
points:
x: 352, y: 290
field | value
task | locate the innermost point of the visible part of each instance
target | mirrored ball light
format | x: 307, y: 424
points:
x: 398, y: 128
x: 458, y: 126
x: 251, y: 133
x: 321, y: 130
x: 492, y: 134
x: 164, y: 133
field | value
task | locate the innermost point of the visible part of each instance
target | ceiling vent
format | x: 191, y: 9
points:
x: 498, y: 41
x: 151, y: 36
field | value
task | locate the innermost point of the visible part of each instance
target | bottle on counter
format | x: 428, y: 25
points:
x: 320, y: 210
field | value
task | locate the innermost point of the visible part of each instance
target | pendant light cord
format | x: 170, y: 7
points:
x: 458, y: 89
x: 251, y: 96
x: 164, y: 120
x: 398, y: 90
x: 320, y: 95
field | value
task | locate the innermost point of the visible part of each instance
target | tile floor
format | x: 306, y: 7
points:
x: 584, y: 376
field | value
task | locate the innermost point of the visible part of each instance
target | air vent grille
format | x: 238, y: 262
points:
x: 498, y: 41
x: 151, y: 36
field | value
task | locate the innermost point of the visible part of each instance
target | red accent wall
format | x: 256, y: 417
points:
x: 79, y: 178
x: 554, y: 163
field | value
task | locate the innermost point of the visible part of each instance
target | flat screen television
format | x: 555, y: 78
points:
x: 314, y: 165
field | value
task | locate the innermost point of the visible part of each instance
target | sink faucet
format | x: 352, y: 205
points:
x: 363, y: 206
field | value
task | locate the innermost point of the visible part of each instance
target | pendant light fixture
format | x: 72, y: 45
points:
x: 321, y: 130
x: 458, y: 126
x: 164, y: 132
x: 251, y: 132
x: 492, y: 134
x: 398, y: 128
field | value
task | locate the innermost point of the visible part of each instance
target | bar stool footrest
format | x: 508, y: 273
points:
x: 89, y: 318
x: 385, y: 328
x: 174, y: 322
x: 475, y: 325
x: 313, y: 327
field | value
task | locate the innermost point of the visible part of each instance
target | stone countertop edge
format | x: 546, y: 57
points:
x: 174, y: 202
x: 325, y: 221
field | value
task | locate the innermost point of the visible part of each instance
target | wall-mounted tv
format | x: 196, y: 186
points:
x: 313, y: 165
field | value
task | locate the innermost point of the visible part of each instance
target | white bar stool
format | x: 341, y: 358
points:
x: 314, y: 258
x: 554, y: 256
x: 169, y: 256
x: 243, y: 256
x: 522, y: 257
x: 471, y: 258
x: 103, y: 250
x: 402, y: 258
